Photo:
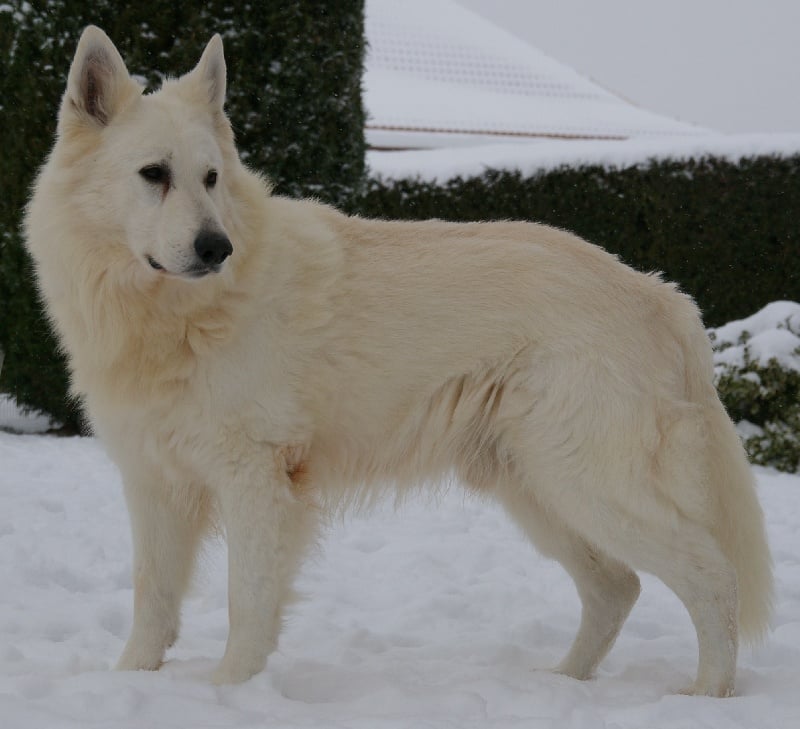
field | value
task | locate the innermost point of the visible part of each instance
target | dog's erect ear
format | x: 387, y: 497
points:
x: 98, y: 82
x: 210, y: 72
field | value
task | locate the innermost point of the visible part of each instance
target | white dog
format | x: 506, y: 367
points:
x: 259, y: 361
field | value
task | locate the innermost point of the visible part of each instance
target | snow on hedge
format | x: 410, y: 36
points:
x: 538, y: 157
x: 772, y: 333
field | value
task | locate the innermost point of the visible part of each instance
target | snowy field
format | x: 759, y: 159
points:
x: 438, y: 615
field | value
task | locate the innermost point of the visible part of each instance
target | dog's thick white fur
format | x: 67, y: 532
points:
x: 258, y: 361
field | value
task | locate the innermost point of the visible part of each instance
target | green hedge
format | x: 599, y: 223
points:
x: 757, y: 369
x: 767, y: 397
x: 294, y: 98
x: 726, y: 232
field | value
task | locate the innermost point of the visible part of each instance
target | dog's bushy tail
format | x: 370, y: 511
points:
x: 739, y: 524
x: 736, y: 517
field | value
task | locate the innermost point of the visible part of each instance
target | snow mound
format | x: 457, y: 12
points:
x: 13, y: 418
x: 773, y: 333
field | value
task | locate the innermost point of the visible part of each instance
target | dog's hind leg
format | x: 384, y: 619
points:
x: 687, y: 558
x: 166, y: 533
x: 607, y: 588
x: 652, y: 537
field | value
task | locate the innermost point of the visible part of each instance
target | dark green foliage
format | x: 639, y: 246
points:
x: 294, y: 74
x: 727, y: 232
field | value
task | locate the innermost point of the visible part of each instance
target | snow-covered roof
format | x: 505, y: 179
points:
x: 438, y: 75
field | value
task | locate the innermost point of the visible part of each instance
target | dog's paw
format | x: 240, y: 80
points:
x: 229, y: 672
x: 146, y: 646
x: 137, y: 658
x: 700, y: 688
x: 572, y: 669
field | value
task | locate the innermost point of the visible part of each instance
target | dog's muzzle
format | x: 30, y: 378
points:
x: 211, y: 250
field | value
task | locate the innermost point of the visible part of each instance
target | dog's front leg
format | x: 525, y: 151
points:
x: 268, y: 528
x: 167, y: 526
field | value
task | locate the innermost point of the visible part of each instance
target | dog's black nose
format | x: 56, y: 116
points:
x: 212, y: 248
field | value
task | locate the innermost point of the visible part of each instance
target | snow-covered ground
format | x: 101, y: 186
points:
x: 437, y: 615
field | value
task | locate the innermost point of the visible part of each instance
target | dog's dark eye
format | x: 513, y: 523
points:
x: 211, y: 178
x: 157, y: 174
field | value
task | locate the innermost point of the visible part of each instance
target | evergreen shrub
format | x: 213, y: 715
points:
x: 757, y: 369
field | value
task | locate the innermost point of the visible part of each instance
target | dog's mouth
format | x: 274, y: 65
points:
x: 200, y: 271
x: 197, y: 271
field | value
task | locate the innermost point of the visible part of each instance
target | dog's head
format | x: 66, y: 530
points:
x: 152, y: 166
